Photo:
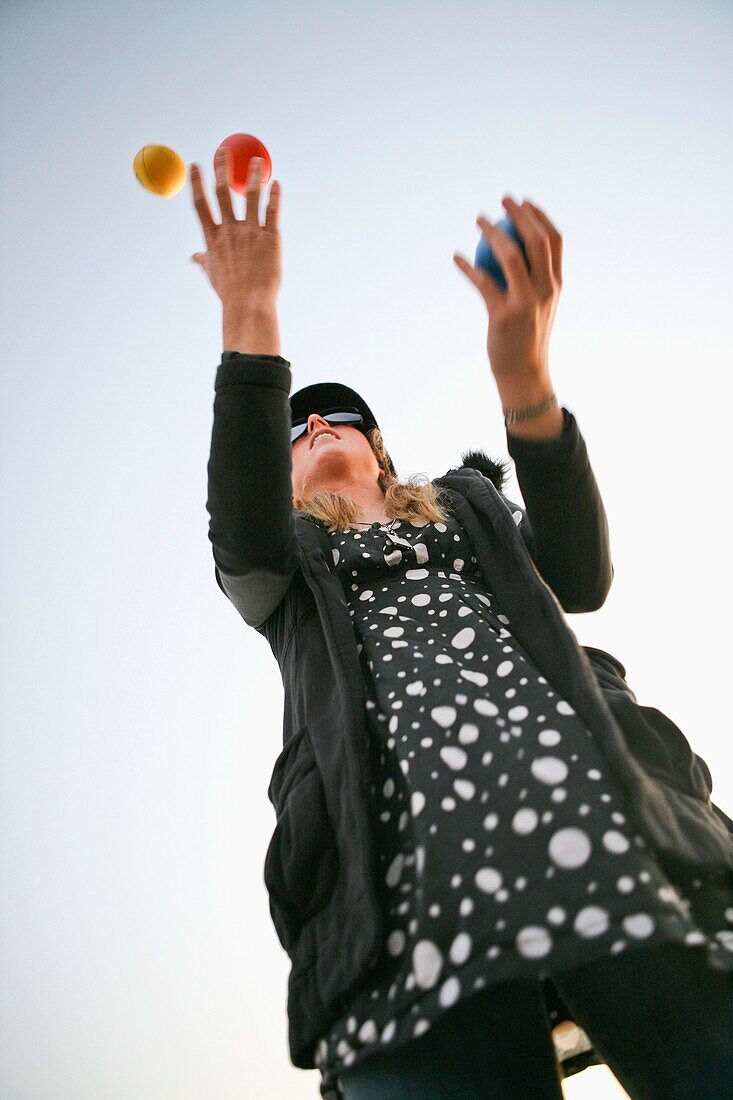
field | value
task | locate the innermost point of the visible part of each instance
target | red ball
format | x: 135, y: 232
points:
x: 241, y: 148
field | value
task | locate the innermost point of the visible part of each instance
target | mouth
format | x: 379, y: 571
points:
x: 319, y: 435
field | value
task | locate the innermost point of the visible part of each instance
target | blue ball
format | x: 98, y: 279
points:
x: 486, y: 259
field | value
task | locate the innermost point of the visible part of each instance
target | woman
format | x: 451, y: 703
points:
x: 474, y: 814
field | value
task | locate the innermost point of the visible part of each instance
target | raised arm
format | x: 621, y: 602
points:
x: 251, y: 526
x: 565, y: 526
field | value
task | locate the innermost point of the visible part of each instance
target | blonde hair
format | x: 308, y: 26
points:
x: 418, y: 498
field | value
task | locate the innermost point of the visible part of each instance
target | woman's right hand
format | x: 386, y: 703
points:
x: 243, y: 259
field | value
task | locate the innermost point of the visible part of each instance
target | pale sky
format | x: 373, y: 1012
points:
x: 141, y: 716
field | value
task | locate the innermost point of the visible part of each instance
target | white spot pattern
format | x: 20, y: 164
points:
x: 482, y: 772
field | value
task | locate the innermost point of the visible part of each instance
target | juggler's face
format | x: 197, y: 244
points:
x: 334, y: 457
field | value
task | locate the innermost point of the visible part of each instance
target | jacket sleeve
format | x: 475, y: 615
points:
x: 251, y: 524
x: 564, y: 527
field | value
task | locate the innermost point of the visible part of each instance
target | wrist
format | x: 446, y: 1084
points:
x: 518, y: 392
x: 517, y: 389
x: 250, y: 329
x: 545, y: 426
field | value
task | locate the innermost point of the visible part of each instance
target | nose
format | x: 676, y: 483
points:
x: 316, y: 421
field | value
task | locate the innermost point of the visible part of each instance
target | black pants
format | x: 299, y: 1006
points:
x: 661, y: 1019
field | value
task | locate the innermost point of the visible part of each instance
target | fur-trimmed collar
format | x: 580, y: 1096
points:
x: 496, y: 470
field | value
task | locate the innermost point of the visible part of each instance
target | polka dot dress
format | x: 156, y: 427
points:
x: 505, y: 847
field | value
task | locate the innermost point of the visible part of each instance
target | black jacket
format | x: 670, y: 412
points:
x: 548, y: 557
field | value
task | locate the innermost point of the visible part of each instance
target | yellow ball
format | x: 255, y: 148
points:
x: 160, y: 170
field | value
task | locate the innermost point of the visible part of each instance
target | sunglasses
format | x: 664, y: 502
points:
x: 340, y: 415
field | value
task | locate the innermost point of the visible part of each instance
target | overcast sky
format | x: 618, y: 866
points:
x: 141, y: 716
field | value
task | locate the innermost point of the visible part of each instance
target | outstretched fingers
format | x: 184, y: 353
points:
x: 555, y: 239
x: 201, y: 203
x: 272, y: 214
x: 253, y: 192
x: 536, y: 244
x: 223, y: 191
x: 485, y: 285
x: 509, y: 257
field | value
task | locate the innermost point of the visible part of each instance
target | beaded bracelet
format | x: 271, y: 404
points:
x: 512, y: 416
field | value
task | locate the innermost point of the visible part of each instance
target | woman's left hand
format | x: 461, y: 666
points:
x: 521, y: 318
